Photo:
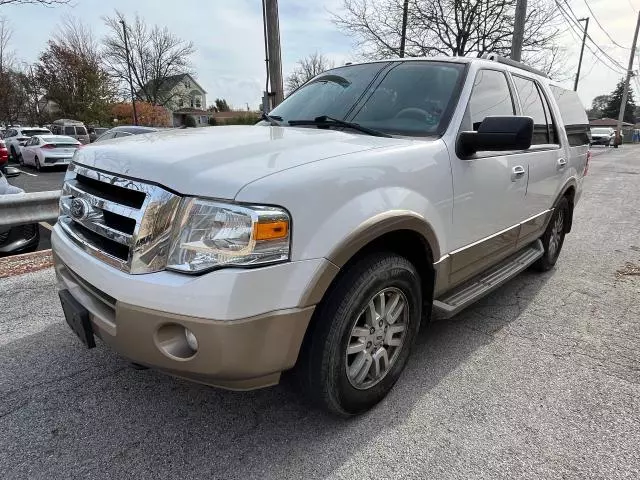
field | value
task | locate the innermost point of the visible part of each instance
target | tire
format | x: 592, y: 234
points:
x: 14, y: 157
x: 38, y: 166
x: 21, y: 160
x: 552, y: 239
x: 322, y: 369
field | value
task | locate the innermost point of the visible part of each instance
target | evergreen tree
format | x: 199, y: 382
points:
x: 612, y: 109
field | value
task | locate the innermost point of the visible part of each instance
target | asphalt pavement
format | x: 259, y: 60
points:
x: 541, y: 379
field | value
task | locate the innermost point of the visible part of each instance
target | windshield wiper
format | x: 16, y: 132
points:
x: 274, y: 120
x: 326, y: 121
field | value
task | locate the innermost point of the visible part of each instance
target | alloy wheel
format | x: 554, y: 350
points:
x: 377, y: 338
x: 556, y: 234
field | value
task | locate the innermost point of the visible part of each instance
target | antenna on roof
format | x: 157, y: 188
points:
x: 494, y: 57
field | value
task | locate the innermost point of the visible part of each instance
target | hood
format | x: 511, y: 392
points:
x: 219, y: 161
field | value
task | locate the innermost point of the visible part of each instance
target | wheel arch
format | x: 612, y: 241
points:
x: 403, y: 233
x: 568, y: 191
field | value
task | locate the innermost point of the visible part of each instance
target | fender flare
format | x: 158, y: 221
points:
x: 379, y: 225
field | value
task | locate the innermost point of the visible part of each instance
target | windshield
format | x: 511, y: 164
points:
x: 601, y: 131
x: 31, y: 133
x: 411, y: 98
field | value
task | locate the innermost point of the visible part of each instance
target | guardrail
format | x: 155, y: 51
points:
x: 23, y: 208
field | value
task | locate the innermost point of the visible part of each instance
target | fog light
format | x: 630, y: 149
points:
x: 192, y: 341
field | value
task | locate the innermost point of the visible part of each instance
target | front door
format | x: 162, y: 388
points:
x: 489, y: 188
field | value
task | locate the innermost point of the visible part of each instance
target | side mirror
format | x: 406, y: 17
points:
x: 11, y: 172
x: 497, y: 134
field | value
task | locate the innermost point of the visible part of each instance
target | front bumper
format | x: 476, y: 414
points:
x: 243, y: 343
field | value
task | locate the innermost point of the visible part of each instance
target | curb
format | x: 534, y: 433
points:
x: 25, y: 263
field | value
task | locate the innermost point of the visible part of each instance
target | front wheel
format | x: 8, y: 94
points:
x: 362, y: 335
x: 38, y: 166
x: 553, y: 237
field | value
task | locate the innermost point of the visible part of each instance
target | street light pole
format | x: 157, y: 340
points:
x: 126, y: 49
x: 518, y: 30
x: 584, y: 40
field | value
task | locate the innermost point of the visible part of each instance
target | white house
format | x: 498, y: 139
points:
x: 183, y: 97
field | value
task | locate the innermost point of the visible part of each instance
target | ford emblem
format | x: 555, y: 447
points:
x: 79, y: 208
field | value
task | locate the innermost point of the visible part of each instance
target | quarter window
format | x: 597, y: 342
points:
x: 490, y: 96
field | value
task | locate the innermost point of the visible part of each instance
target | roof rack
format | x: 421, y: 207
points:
x: 507, y: 61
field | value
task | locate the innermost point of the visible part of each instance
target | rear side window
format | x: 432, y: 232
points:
x: 533, y: 105
x: 490, y: 96
x: 574, y: 116
x: 81, y: 131
x: 69, y: 130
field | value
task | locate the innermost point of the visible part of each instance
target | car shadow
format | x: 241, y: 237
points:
x: 65, y: 405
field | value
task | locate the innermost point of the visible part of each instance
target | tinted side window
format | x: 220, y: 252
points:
x: 574, y: 116
x: 81, y: 131
x: 490, y: 96
x: 69, y: 131
x: 532, y: 106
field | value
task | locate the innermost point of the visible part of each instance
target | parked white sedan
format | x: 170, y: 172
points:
x: 48, y: 150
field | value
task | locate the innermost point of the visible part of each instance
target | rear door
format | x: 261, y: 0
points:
x: 489, y: 187
x: 546, y: 160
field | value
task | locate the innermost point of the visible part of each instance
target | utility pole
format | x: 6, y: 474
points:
x: 275, y: 59
x: 584, y: 40
x: 126, y: 49
x: 518, y: 30
x: 403, y: 38
x: 625, y: 92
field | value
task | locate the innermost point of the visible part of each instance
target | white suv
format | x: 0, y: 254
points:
x: 319, y: 239
x: 17, y: 137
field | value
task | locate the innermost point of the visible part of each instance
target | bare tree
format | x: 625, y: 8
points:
x: 46, y: 3
x: 155, y: 55
x: 307, y: 68
x: 445, y: 27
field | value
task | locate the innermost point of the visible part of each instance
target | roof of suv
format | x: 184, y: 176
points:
x: 467, y: 60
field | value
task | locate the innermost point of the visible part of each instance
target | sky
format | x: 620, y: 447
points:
x: 228, y: 36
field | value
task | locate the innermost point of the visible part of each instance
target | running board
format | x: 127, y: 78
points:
x: 467, y: 293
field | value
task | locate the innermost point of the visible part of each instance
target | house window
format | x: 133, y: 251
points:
x: 191, y: 102
x: 198, y: 102
x: 181, y: 102
x: 187, y: 84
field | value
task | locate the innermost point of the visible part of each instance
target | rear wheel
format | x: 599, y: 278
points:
x: 553, y: 237
x: 362, y: 335
x: 38, y: 166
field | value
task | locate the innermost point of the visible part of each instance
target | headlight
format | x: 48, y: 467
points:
x: 210, y: 234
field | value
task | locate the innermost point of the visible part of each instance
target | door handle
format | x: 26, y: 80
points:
x: 561, y: 163
x: 517, y: 172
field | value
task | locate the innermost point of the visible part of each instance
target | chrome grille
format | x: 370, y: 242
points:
x: 123, y: 222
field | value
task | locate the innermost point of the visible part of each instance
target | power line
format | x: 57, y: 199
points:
x: 575, y: 21
x: 600, y: 25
